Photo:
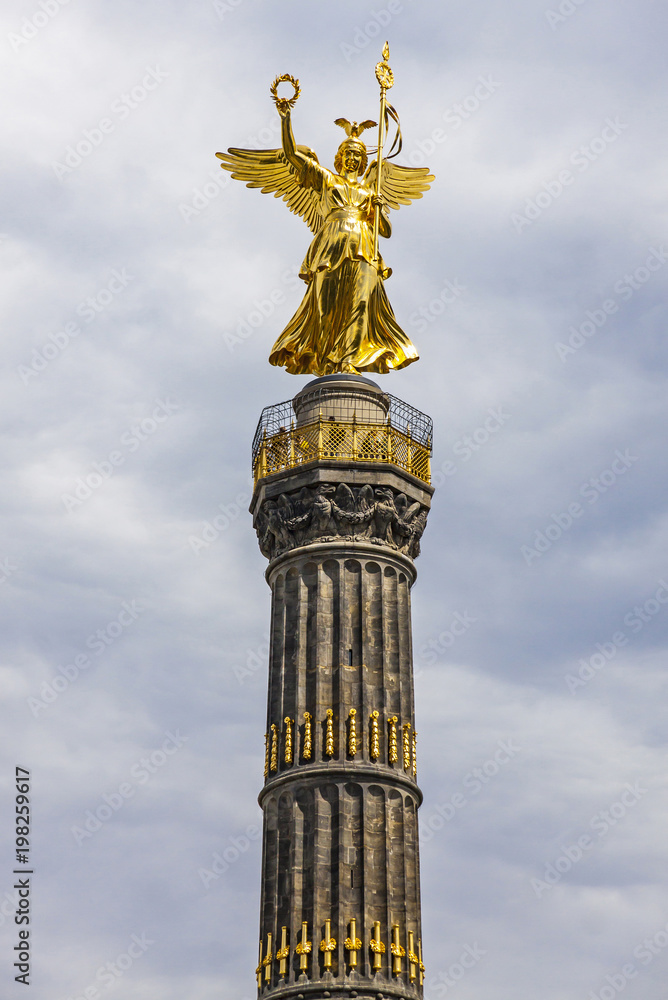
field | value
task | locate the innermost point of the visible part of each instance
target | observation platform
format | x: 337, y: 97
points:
x: 345, y: 418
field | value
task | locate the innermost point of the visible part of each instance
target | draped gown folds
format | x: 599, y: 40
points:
x: 345, y: 321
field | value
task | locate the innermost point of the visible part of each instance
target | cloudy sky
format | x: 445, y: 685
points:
x: 142, y: 290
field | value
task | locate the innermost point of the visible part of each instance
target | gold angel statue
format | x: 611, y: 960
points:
x: 345, y: 322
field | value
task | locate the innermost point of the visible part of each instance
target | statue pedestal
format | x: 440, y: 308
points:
x: 340, y: 798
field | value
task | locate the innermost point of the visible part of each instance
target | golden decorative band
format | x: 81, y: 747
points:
x: 354, y: 744
x: 384, y: 443
x: 393, y: 752
x: 288, y: 739
x: 352, y: 733
x: 274, y: 747
x: 375, y: 736
x: 352, y: 945
x: 307, y: 746
x: 329, y: 734
x: 406, y: 745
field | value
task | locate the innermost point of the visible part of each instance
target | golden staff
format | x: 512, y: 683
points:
x: 385, y: 78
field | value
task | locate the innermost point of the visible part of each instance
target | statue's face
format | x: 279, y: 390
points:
x: 352, y: 160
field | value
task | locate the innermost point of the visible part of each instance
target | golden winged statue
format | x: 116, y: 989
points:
x: 345, y: 322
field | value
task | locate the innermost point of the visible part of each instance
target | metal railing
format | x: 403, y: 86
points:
x: 352, y: 441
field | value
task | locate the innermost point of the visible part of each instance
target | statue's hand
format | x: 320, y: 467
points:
x: 283, y: 104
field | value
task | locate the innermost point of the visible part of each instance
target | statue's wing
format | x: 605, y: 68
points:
x: 285, y: 505
x: 408, y: 516
x: 401, y: 502
x: 365, y: 499
x: 399, y: 185
x: 344, y: 497
x: 269, y: 170
x: 344, y: 123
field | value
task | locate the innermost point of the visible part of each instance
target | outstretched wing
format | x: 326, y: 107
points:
x: 344, y: 497
x: 345, y: 124
x: 399, y: 185
x: 269, y: 170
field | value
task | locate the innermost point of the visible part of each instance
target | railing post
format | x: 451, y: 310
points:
x: 320, y: 448
x: 263, y: 455
x: 354, y: 437
x: 389, y: 441
x: 409, y: 449
x: 292, y: 444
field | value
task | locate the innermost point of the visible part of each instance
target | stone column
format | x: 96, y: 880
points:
x: 340, y: 521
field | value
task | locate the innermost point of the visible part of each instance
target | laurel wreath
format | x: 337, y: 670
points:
x: 285, y: 102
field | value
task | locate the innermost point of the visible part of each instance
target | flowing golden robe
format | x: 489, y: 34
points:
x: 345, y: 322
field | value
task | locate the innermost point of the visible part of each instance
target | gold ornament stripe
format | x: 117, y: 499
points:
x: 352, y: 733
x: 288, y: 739
x: 406, y: 745
x: 329, y: 734
x: 353, y: 945
x: 393, y: 753
x: 354, y: 741
x: 274, y: 747
x: 307, y: 746
x: 375, y: 736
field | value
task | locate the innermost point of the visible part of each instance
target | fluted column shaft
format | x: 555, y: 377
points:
x: 340, y: 904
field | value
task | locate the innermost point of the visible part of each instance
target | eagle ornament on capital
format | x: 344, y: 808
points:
x: 345, y: 322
